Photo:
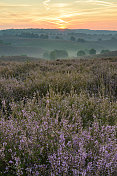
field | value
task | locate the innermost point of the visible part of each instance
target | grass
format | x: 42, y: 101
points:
x: 37, y: 47
x: 48, y: 45
x: 58, y: 117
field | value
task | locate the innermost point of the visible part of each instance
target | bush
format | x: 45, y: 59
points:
x: 81, y: 53
x: 104, y: 51
x: 46, y: 55
x: 57, y: 54
x: 58, y: 118
x: 53, y: 55
x: 72, y: 38
x: 92, y: 51
x: 28, y: 35
x: 81, y: 40
x: 44, y: 36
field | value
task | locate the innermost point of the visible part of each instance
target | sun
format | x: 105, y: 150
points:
x: 62, y: 27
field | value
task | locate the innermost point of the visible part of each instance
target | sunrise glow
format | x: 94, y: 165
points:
x: 59, y: 14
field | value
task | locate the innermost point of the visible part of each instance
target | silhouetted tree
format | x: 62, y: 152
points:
x: 53, y: 55
x: 104, y: 51
x: 28, y: 35
x: 92, y: 51
x: 44, y: 36
x: 99, y: 39
x: 72, y: 38
x: 80, y: 53
x: 81, y: 40
x: 1, y: 41
x: 57, y: 37
x: 46, y: 55
x: 57, y: 54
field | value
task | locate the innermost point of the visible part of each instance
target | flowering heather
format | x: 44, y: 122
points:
x: 58, y: 118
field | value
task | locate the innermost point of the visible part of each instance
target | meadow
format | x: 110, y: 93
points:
x: 30, y: 42
x: 58, y: 118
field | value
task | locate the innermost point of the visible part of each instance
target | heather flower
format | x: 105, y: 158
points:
x: 57, y: 125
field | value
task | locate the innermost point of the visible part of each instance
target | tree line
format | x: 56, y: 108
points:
x: 61, y: 54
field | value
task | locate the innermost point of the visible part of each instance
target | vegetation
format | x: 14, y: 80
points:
x: 35, y: 42
x: 46, y: 55
x: 58, y: 118
x: 57, y: 37
x: 1, y: 42
x: 58, y: 54
x: 92, y: 51
x: 81, y: 40
x: 81, y: 53
x: 28, y: 35
x: 44, y: 36
x: 72, y: 38
x: 104, y: 51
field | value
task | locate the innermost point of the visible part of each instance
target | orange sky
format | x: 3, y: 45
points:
x: 73, y: 14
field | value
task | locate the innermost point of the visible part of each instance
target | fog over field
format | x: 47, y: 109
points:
x: 40, y: 42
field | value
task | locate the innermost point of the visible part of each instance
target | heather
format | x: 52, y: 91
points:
x: 58, y: 118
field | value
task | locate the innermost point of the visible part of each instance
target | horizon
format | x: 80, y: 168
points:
x: 58, y: 29
x: 59, y: 14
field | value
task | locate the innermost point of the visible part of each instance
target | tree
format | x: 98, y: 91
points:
x: 72, y: 38
x: 81, y: 40
x: 1, y: 42
x: 44, y: 36
x: 28, y: 35
x: 80, y: 53
x: 57, y: 54
x: 53, y: 55
x: 113, y: 38
x: 46, y: 55
x: 57, y: 37
x: 104, y: 51
x: 92, y: 51
x: 99, y: 39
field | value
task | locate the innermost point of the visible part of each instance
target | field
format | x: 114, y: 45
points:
x: 58, y: 118
x: 13, y: 43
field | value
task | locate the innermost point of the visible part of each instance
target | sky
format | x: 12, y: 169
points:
x: 59, y: 14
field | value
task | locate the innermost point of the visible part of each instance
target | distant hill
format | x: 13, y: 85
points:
x: 12, y: 42
x: 88, y: 31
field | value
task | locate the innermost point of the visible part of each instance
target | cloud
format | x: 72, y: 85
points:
x: 98, y: 2
x: 102, y: 3
x: 61, y: 5
x: 46, y: 4
x: 14, y: 5
x: 57, y: 13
